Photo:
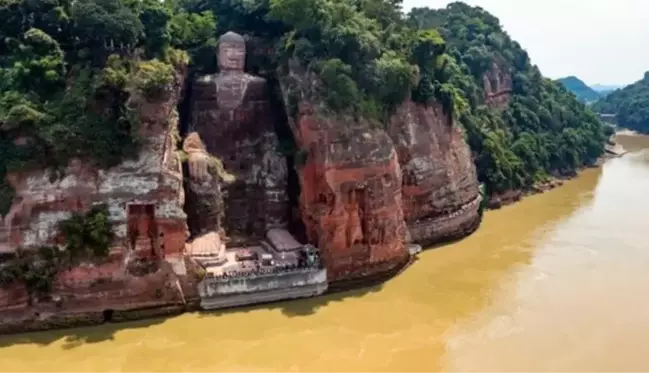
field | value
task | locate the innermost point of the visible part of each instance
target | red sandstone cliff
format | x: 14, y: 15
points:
x: 350, y: 188
x: 441, y: 197
x: 145, y: 199
x: 497, y: 85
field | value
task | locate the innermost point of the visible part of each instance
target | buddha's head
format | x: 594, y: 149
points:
x: 232, y: 52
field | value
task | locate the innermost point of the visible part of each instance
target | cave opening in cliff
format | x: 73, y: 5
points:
x: 184, y: 107
x: 107, y: 315
x: 288, y: 148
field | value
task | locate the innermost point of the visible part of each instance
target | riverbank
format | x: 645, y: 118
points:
x: 45, y: 319
x: 493, y: 301
x: 497, y: 201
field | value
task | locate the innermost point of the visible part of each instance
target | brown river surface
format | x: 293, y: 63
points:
x: 557, y: 282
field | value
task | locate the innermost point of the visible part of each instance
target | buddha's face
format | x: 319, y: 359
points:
x: 232, y: 57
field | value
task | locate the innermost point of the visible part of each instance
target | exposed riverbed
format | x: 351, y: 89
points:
x: 555, y: 282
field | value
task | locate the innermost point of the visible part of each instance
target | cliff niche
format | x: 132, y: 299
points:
x: 238, y: 208
x: 231, y: 112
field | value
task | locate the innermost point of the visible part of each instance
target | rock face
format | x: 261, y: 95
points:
x: 350, y: 189
x: 145, y: 199
x: 497, y: 86
x: 204, y: 198
x: 364, y: 191
x: 441, y: 197
x: 204, y: 204
x: 231, y: 112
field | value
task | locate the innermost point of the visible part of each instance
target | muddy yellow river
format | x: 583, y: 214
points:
x: 558, y: 282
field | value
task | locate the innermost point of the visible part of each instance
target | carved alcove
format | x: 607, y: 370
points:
x: 142, y: 228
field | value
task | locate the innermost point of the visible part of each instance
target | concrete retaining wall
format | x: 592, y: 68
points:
x: 230, y: 292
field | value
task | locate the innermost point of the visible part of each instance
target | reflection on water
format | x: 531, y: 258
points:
x: 555, y: 282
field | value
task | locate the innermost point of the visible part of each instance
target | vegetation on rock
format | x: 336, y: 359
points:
x: 67, y: 72
x: 68, y: 69
x: 86, y: 237
x: 583, y: 92
x: 543, y: 130
x: 630, y: 104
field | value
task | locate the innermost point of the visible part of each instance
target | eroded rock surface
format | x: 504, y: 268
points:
x: 204, y: 204
x: 441, y: 197
x: 364, y: 191
x: 350, y: 189
x: 145, y: 202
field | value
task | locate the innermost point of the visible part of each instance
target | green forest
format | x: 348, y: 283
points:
x: 630, y: 104
x: 69, y: 69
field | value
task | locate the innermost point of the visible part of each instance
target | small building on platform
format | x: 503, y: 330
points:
x: 278, y: 268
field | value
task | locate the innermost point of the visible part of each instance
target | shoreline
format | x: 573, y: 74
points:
x: 34, y: 322
x: 513, y: 196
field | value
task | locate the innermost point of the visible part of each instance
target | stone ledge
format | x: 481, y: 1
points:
x: 64, y: 320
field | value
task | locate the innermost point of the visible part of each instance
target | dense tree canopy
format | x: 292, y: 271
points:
x: 69, y: 68
x: 67, y: 72
x: 543, y: 130
x: 630, y: 104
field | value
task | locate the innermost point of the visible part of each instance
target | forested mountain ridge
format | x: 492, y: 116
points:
x: 542, y: 130
x: 630, y: 104
x: 583, y: 92
x: 59, y: 58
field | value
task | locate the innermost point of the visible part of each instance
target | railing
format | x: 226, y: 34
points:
x: 265, y: 271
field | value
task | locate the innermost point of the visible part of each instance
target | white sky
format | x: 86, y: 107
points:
x: 599, y: 41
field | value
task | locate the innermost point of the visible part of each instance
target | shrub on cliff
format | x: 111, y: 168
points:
x: 379, y: 60
x: 153, y: 77
x: 87, y: 236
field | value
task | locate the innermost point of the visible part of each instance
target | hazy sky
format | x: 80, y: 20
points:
x: 599, y: 41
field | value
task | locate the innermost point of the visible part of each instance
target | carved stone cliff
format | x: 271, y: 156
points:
x: 350, y: 184
x: 364, y: 191
x: 441, y: 198
x: 497, y: 86
x: 145, y: 200
x: 232, y: 114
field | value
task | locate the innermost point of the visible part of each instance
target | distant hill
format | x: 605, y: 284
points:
x: 583, y: 92
x: 630, y: 104
x: 605, y: 88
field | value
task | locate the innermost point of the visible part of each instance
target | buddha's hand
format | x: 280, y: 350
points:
x: 199, y: 167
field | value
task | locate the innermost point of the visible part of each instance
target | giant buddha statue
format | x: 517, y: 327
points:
x: 232, y: 114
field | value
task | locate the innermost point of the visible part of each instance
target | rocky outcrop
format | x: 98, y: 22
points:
x: 350, y: 182
x: 364, y: 191
x: 204, y: 198
x: 441, y: 198
x: 497, y: 86
x: 145, y: 203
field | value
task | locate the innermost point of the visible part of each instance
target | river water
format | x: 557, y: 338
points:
x: 556, y: 282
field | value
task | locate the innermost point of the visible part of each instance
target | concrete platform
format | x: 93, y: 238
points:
x: 238, y: 281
